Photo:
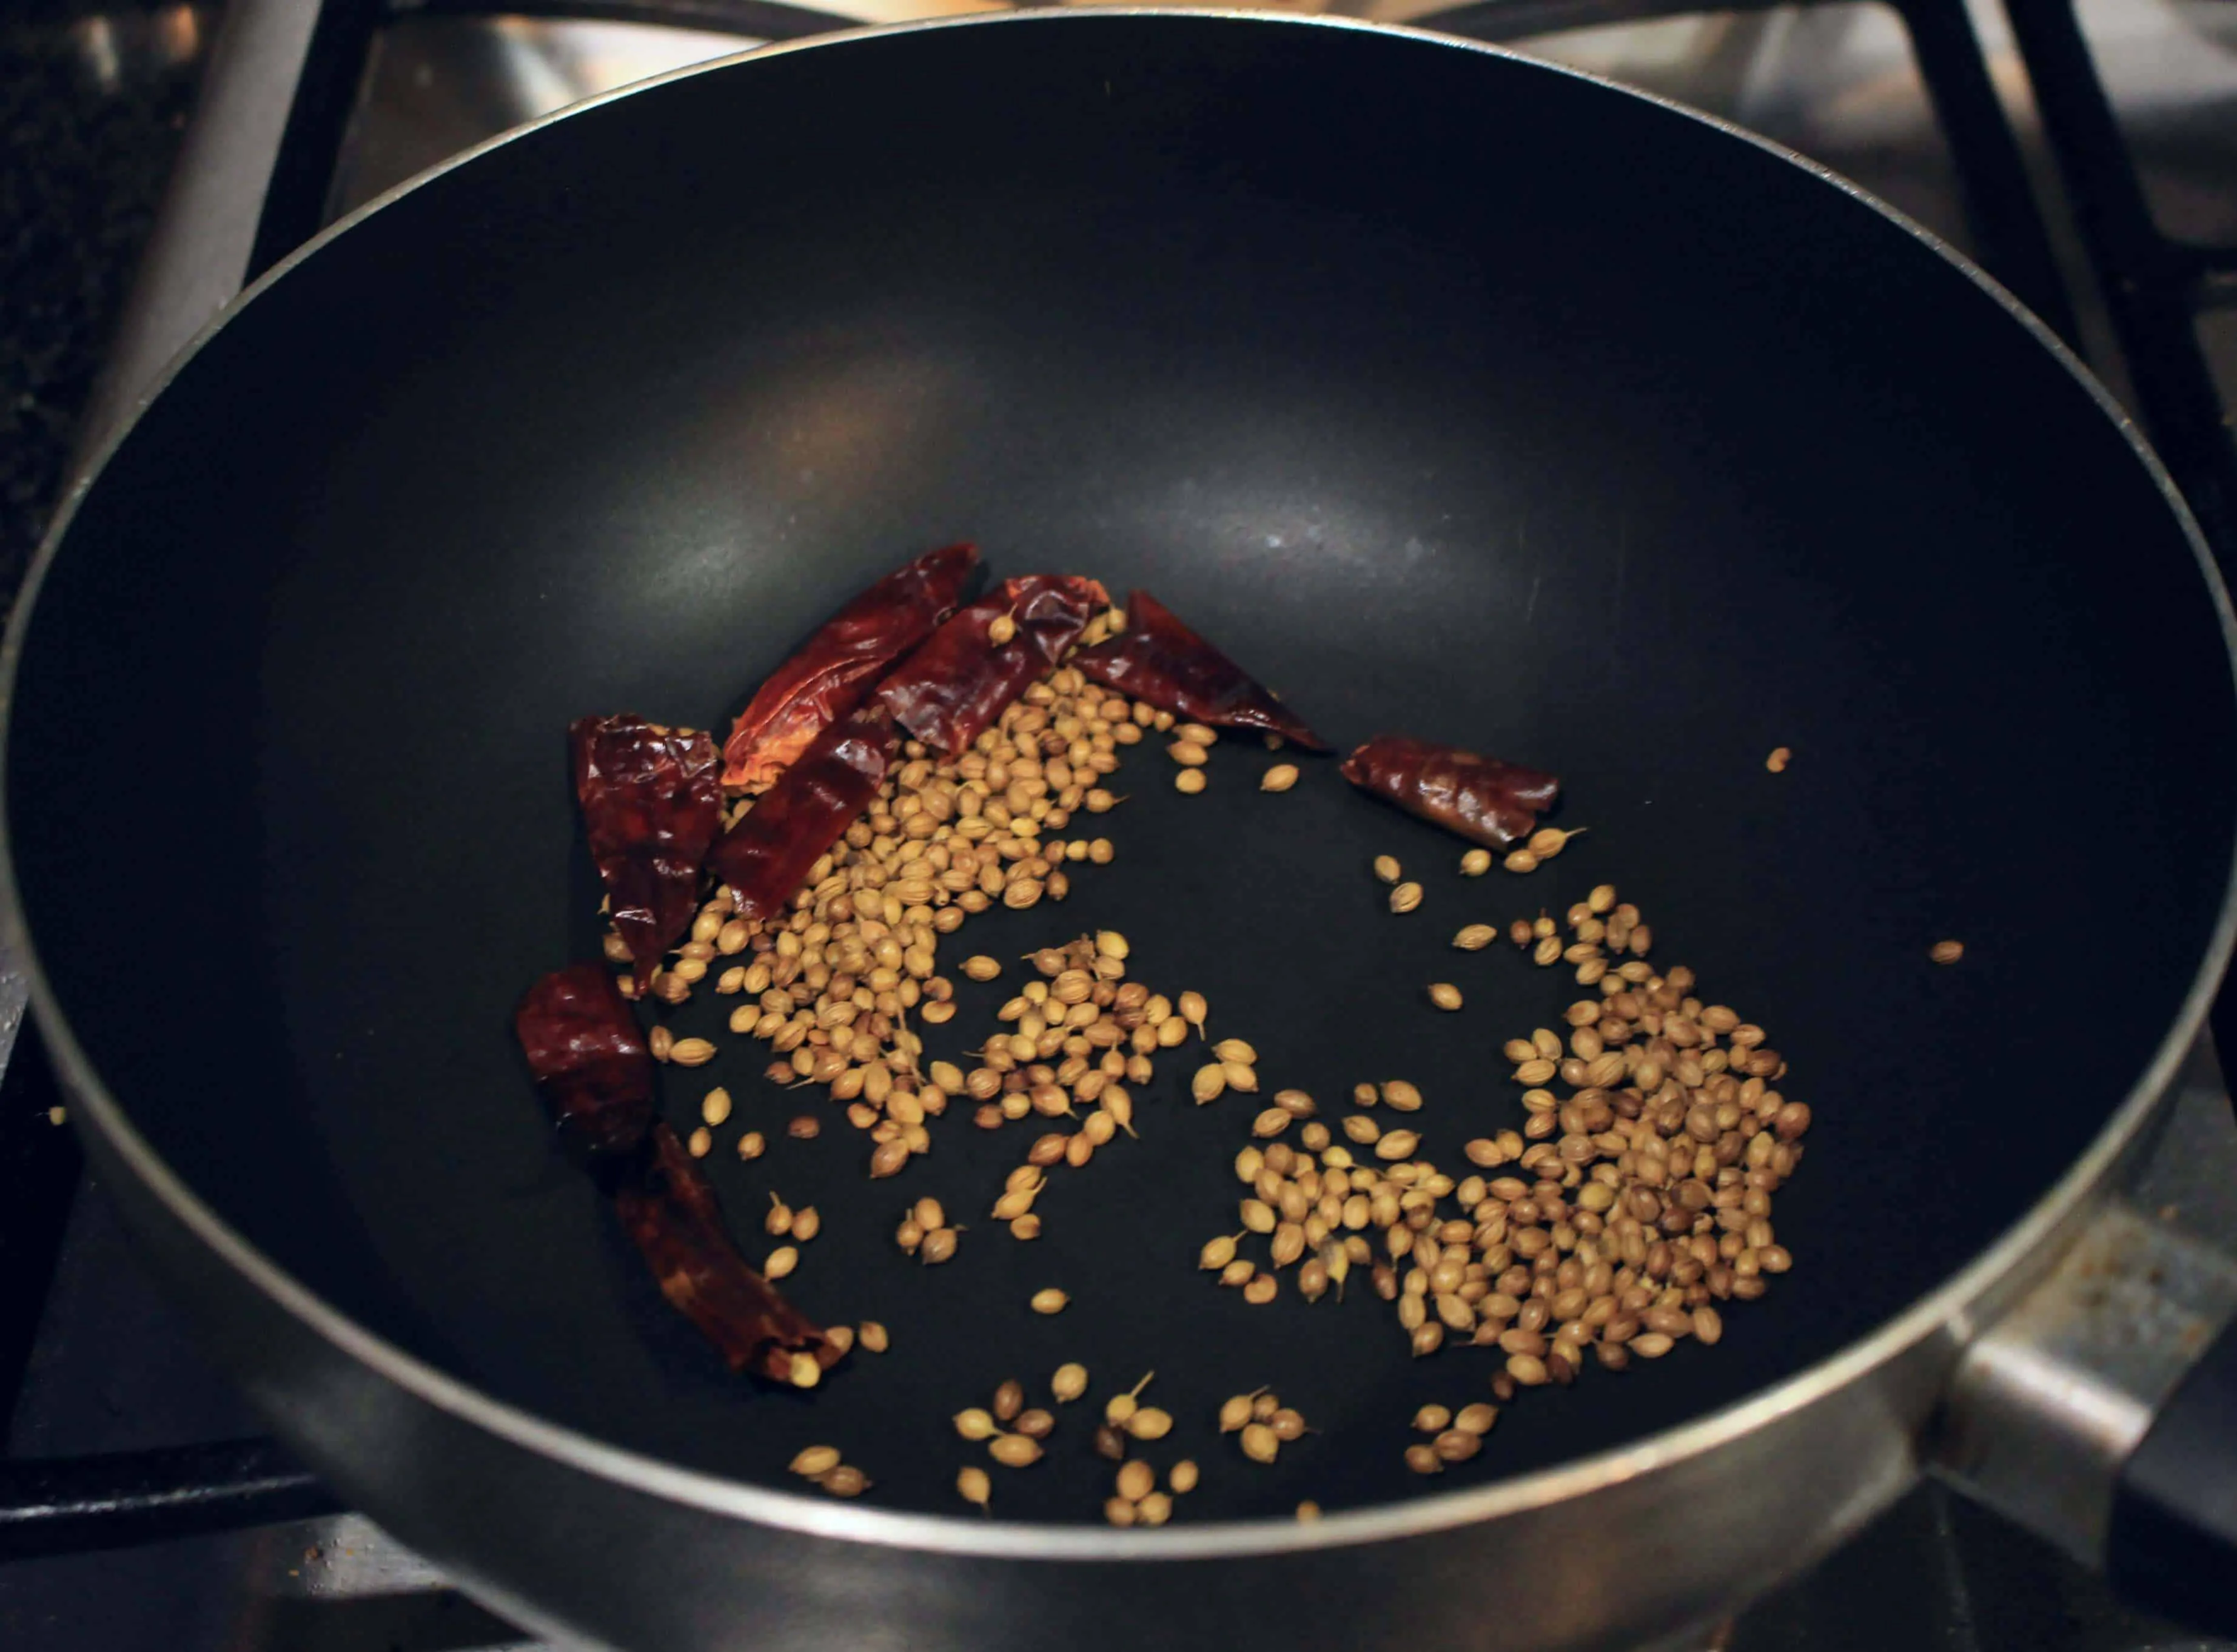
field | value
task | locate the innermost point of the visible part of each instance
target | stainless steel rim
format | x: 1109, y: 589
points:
x: 1949, y: 1304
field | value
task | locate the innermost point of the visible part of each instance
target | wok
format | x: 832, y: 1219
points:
x: 1450, y: 392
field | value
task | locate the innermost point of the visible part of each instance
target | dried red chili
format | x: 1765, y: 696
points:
x: 1158, y: 659
x: 670, y: 1213
x: 831, y: 672
x: 652, y: 801
x: 1494, y: 803
x: 959, y: 679
x: 588, y: 1057
x: 766, y: 856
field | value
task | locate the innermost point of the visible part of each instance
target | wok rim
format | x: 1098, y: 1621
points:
x: 972, y: 1536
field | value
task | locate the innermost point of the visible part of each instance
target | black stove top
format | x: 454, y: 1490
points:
x: 2086, y: 157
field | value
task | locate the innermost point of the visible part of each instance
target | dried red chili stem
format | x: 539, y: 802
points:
x: 766, y: 856
x: 830, y: 673
x: 652, y: 803
x: 670, y: 1213
x: 1481, y: 798
x: 588, y: 1059
x: 958, y: 682
x: 1158, y: 659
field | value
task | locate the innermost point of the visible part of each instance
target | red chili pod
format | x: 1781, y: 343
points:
x: 1158, y: 659
x: 961, y: 679
x: 588, y: 1058
x: 766, y: 856
x: 670, y: 1213
x: 832, y: 673
x: 652, y: 801
x: 1493, y: 802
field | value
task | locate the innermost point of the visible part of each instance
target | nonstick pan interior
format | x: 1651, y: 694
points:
x: 1450, y: 393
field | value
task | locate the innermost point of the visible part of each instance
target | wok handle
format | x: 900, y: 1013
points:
x: 2100, y: 1411
x: 57, y: 1505
x: 2171, y: 1545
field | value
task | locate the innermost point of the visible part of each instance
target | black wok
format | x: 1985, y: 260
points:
x: 1451, y: 394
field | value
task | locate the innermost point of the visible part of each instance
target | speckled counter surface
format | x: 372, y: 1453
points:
x: 93, y: 100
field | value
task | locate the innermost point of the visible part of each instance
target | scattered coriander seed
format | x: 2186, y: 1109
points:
x: 1050, y: 1301
x: 699, y: 1142
x: 1444, y: 994
x: 1119, y: 1408
x: 1027, y: 1226
x: 1779, y: 757
x: 1601, y: 898
x: 1405, y: 897
x: 845, y: 1481
x: 1036, y: 1424
x: 1137, y: 1480
x: 802, y: 1370
x: 1234, y: 1412
x: 1148, y: 1423
x: 1432, y: 1419
x: 1118, y: 1511
x: 1209, y: 1082
x: 1001, y: 629
x: 806, y: 1128
x: 979, y: 966
x: 1216, y: 1253
x: 1235, y: 1050
x: 1288, y: 1424
x: 1548, y: 951
x: 1476, y: 1420
x: 805, y: 1224
x: 1192, y: 1010
x: 781, y: 1261
x: 1154, y: 1510
x: 1260, y: 1442
x: 1110, y: 1442
x: 1475, y: 937
x: 1549, y: 841
x: 1520, y: 861
x: 938, y: 1245
x: 973, y: 1485
x: 976, y: 1423
x: 1947, y: 952
x: 1262, y: 1289
x: 1403, y: 1096
x: 872, y: 1335
x: 1009, y: 1400
x: 752, y: 1145
x: 816, y: 1459
x: 1182, y: 1476
x: 1280, y: 777
x: 1014, y: 1450
x: 1423, y: 1459
x: 715, y: 1109
x: 1189, y: 781
x: 1386, y: 867
x: 1308, y: 1511
x: 1069, y: 1382
x: 1475, y: 863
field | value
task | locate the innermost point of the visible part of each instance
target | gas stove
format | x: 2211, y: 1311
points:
x: 2086, y: 153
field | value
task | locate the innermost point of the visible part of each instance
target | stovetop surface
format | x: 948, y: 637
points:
x: 114, y: 1368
